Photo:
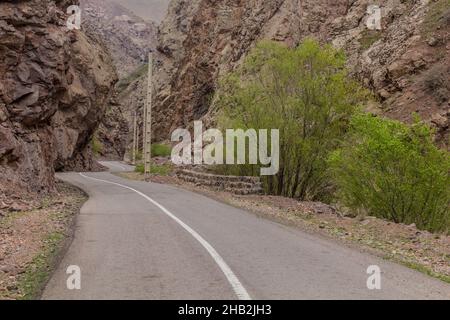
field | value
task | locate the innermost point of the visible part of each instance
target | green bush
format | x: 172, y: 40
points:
x: 306, y: 94
x: 394, y: 171
x: 96, y: 146
x: 161, y: 150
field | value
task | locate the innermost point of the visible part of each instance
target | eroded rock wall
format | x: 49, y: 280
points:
x: 54, y: 87
x: 202, y: 39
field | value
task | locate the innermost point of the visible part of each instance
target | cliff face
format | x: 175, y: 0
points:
x: 202, y: 39
x: 128, y: 37
x: 54, y: 87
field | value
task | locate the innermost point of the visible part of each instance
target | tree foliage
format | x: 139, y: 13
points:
x: 394, y: 171
x: 306, y: 94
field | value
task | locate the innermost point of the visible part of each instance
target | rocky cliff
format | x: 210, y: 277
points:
x: 128, y: 37
x: 406, y: 64
x: 55, y: 85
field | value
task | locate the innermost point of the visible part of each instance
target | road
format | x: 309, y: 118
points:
x: 137, y: 240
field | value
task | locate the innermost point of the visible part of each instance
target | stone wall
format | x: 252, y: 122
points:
x: 235, y: 184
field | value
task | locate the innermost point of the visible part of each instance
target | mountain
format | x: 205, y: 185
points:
x: 127, y: 36
x: 150, y: 10
x: 55, y: 85
x: 406, y: 64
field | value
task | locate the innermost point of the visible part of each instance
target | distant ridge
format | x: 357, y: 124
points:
x: 150, y: 10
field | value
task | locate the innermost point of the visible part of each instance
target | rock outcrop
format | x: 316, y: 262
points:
x: 128, y: 37
x: 55, y: 85
x: 406, y: 63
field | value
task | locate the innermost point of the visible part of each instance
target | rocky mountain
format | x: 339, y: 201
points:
x: 406, y: 63
x: 128, y: 37
x: 55, y: 85
x: 150, y: 10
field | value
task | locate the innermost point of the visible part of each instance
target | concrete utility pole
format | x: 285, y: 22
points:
x: 148, y: 118
x: 135, y: 141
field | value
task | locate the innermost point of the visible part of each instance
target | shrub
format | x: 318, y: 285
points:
x: 96, y: 146
x: 161, y: 150
x: 437, y: 83
x: 306, y: 94
x: 394, y: 171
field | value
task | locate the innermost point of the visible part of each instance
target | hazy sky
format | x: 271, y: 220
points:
x: 148, y: 9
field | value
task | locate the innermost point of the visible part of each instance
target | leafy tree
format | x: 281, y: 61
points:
x: 394, y: 171
x: 306, y: 94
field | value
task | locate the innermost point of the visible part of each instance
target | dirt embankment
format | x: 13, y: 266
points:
x: 32, y: 240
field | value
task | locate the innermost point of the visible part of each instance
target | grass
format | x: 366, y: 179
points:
x: 96, y: 145
x: 125, y: 82
x: 38, y: 271
x: 437, y: 16
x: 423, y: 269
x: 369, y: 37
x: 161, y: 170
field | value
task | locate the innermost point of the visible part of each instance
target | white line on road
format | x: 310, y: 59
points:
x: 237, y: 286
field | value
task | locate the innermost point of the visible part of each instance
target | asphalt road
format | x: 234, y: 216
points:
x: 137, y: 240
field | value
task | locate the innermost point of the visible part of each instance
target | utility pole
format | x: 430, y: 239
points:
x: 135, y: 141
x: 148, y: 118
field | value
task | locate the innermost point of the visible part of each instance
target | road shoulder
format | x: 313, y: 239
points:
x: 33, y: 240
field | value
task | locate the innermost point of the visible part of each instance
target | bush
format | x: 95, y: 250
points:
x: 161, y: 150
x: 96, y: 146
x: 437, y: 82
x: 306, y: 94
x: 394, y: 171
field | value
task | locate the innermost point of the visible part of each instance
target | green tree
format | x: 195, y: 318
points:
x: 306, y: 94
x: 394, y: 171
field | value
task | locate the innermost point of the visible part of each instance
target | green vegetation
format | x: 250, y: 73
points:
x: 160, y: 170
x: 329, y: 150
x: 161, y: 150
x: 304, y: 92
x: 38, y: 271
x: 125, y: 82
x: 438, y: 15
x: 369, y: 37
x: 96, y: 145
x: 394, y: 171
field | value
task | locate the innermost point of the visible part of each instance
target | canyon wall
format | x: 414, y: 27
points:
x: 406, y: 64
x: 55, y: 85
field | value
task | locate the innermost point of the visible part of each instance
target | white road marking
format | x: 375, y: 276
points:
x: 237, y: 286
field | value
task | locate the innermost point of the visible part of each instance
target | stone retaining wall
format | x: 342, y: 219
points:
x: 235, y: 184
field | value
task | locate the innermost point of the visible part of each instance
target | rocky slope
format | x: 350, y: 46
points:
x: 128, y: 37
x: 406, y: 64
x: 150, y: 10
x: 55, y: 85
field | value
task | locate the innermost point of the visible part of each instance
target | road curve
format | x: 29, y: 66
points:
x: 128, y: 247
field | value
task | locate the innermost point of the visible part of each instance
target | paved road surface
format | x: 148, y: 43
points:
x: 137, y: 240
